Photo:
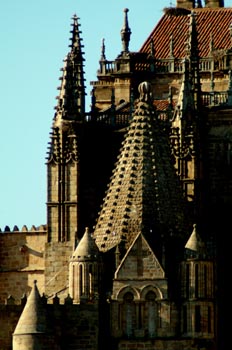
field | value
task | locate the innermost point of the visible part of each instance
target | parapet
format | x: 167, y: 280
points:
x: 41, y: 228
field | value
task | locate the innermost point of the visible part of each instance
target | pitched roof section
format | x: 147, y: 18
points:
x: 211, y: 22
x: 139, y: 262
x: 144, y: 192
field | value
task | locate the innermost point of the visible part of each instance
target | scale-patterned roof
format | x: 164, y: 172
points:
x: 212, y: 23
x: 144, y: 192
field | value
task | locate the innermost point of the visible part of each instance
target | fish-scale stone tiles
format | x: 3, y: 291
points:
x: 139, y: 196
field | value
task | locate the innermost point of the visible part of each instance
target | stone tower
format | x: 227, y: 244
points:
x: 63, y: 160
x: 139, y: 169
x: 32, y: 331
x: 197, y: 288
x: 63, y: 167
x: 85, y: 270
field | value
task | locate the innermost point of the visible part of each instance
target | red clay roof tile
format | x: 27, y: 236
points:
x: 215, y: 22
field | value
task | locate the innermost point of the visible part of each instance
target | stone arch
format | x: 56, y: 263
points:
x: 150, y: 296
x: 150, y: 288
x: 127, y: 289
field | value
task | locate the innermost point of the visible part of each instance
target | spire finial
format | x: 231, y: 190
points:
x: 125, y: 32
x: 71, y: 99
x: 211, y: 43
x: 103, y: 50
x: 171, y: 46
x: 193, y: 56
x: 152, y: 48
x: 145, y: 91
x: 75, y: 39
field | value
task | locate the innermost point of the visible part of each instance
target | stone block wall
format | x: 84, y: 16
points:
x: 71, y: 326
x: 57, y: 256
x: 21, y: 261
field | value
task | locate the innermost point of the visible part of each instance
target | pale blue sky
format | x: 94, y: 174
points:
x: 34, y: 39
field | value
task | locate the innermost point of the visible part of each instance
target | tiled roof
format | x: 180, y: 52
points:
x: 210, y: 22
x: 162, y: 105
x: 143, y: 193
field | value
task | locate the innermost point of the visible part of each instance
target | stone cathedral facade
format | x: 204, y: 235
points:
x: 139, y: 196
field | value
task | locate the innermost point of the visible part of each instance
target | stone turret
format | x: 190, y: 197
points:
x: 32, y: 331
x: 85, y: 270
x: 214, y: 3
x: 187, y: 4
x: 197, y: 287
x: 190, y: 4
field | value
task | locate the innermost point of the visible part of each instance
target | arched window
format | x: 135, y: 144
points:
x: 90, y: 280
x: 187, y: 277
x: 197, y: 318
x: 185, y: 318
x: 128, y: 316
x: 205, y: 282
x: 196, y: 281
x: 151, y: 313
x: 209, y: 320
x: 80, y: 280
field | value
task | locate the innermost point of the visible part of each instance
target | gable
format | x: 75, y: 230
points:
x: 140, y: 262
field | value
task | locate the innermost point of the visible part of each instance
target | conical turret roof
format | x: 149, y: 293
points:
x: 195, y: 247
x: 86, y: 249
x: 33, y: 317
x: 144, y: 192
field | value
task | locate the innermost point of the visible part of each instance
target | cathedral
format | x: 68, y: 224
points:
x: 139, y: 198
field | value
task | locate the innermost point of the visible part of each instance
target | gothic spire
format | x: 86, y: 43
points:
x: 71, y: 100
x: 189, y: 96
x: 193, y: 56
x: 185, y: 102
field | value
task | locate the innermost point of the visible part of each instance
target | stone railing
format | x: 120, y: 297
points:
x: 215, y: 98
x: 122, y: 119
x: 165, y: 65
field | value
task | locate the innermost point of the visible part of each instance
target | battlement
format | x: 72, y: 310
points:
x: 54, y: 300
x: 41, y: 228
x: 81, y: 318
